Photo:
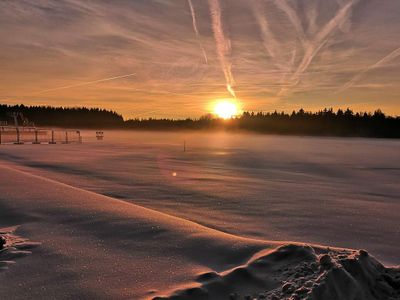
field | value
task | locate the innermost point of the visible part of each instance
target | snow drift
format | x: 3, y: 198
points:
x: 300, y: 272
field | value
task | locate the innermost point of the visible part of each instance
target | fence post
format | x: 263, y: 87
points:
x: 1, y: 129
x: 66, y: 137
x: 79, y: 137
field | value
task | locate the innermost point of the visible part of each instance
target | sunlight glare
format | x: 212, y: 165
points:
x: 226, y: 109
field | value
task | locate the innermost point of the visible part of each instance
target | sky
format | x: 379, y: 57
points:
x: 177, y: 58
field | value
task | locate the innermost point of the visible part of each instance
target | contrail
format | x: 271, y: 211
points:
x: 293, y: 18
x: 312, y: 15
x: 196, y: 31
x: 223, y: 45
x: 394, y: 54
x: 269, y: 41
x: 321, y: 39
x: 346, y: 25
x: 271, y: 44
x: 86, y: 83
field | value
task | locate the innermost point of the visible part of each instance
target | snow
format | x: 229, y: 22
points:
x: 137, y: 204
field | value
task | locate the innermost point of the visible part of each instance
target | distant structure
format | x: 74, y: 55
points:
x: 99, y: 135
x: 25, y: 132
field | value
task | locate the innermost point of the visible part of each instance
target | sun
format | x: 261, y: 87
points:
x: 225, y: 109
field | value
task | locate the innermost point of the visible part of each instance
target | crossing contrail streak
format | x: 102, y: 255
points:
x: 293, y: 18
x: 269, y: 42
x: 394, y: 54
x: 85, y: 83
x: 312, y: 16
x: 319, y: 41
x: 196, y: 31
x: 223, y: 45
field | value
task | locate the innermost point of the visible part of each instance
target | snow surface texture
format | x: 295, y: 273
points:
x: 266, y: 187
x: 298, y: 272
x: 12, y: 247
x: 135, y: 217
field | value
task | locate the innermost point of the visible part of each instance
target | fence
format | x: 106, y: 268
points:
x: 24, y: 135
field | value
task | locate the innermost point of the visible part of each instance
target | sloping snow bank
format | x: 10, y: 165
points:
x: 300, y: 272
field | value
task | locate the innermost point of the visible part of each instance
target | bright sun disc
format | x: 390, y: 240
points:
x: 225, y: 109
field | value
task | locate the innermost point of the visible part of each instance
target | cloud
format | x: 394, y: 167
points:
x: 320, y: 39
x: 383, y: 61
x: 196, y: 31
x: 293, y: 18
x: 303, y: 51
x: 86, y: 83
x: 223, y: 44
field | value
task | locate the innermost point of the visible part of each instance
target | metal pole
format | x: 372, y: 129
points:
x: 36, y: 137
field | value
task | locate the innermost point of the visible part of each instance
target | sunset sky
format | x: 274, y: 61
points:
x: 175, y: 58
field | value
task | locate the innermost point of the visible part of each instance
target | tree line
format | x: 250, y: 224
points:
x: 61, y: 116
x: 326, y: 122
x: 322, y: 123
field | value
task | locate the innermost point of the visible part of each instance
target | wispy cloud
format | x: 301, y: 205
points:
x: 270, y: 42
x: 223, y: 45
x: 293, y: 18
x: 311, y: 42
x: 320, y: 39
x: 85, y: 83
x: 196, y: 31
x: 268, y: 38
x: 275, y: 54
x: 388, y: 58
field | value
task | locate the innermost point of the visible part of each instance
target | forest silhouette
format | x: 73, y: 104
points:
x: 326, y: 122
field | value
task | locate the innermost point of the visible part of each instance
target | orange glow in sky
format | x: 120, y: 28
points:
x: 171, y: 59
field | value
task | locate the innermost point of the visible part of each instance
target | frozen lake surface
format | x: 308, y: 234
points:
x: 342, y: 192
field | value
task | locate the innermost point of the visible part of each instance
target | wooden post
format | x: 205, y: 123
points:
x: 36, y: 137
x: 1, y: 130
x: 66, y: 137
x: 184, y: 146
x: 18, y: 137
x: 52, y: 137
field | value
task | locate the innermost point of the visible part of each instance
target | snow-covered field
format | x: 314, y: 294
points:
x: 243, y: 189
